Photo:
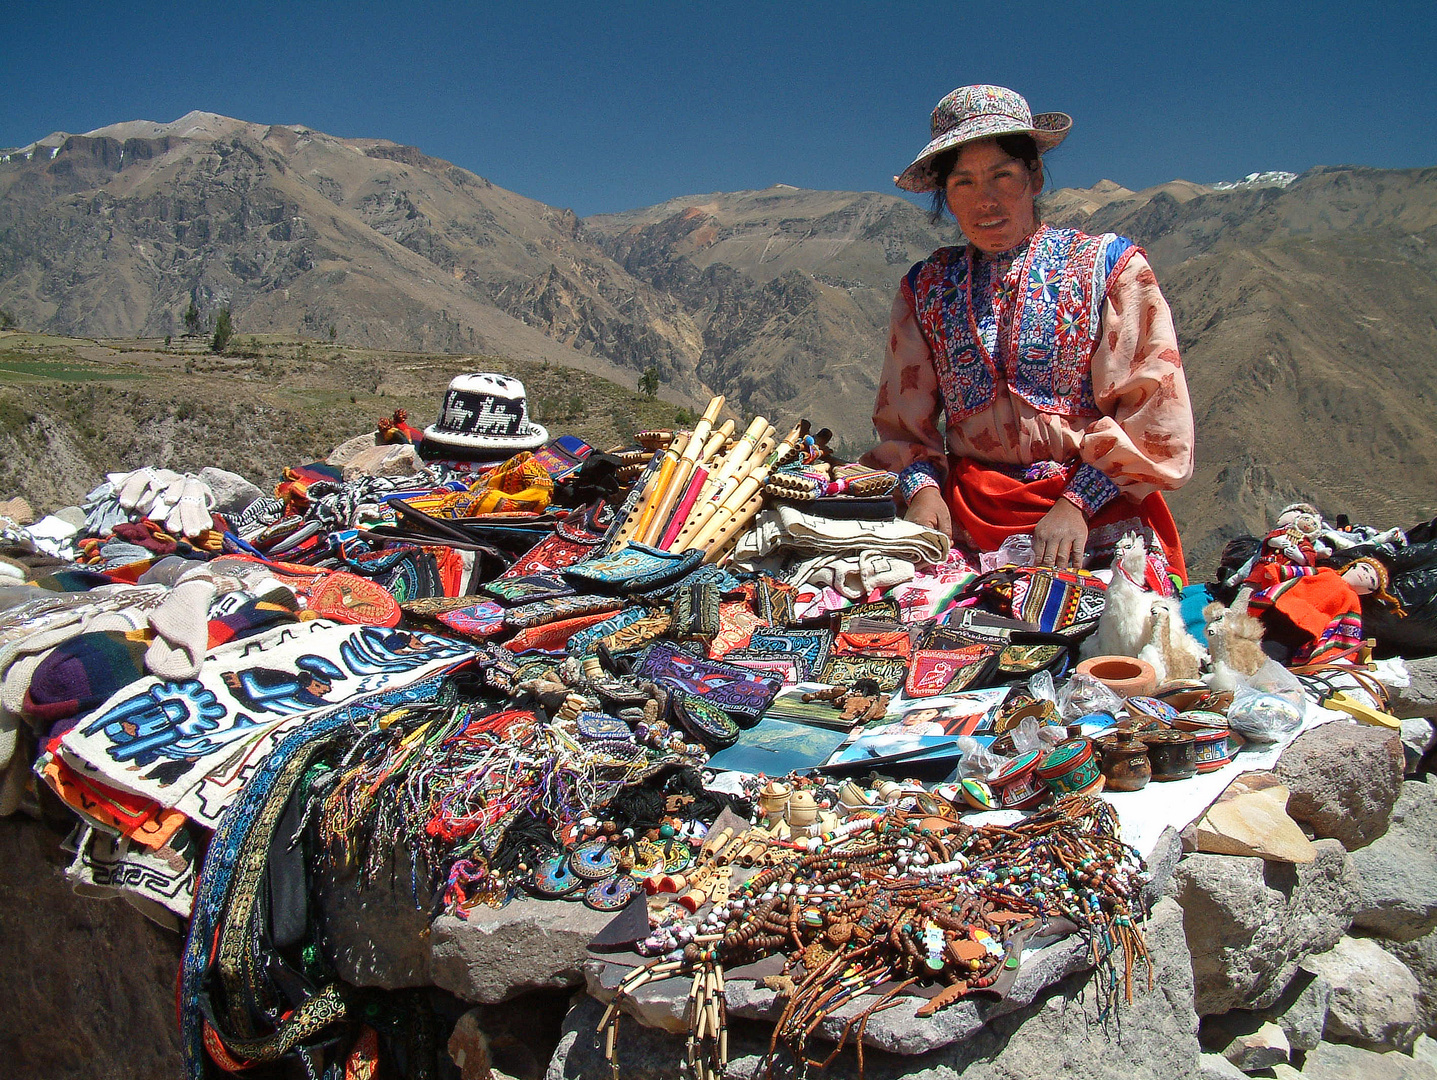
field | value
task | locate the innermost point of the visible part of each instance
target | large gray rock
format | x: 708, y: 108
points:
x: 89, y: 984
x: 1343, y: 779
x: 1419, y: 736
x: 232, y: 491
x: 1419, y: 697
x: 1250, y: 923
x: 1374, y: 996
x: 1334, y: 1061
x: 498, y: 954
x: 1162, y: 864
x: 1217, y: 1067
x: 1397, y: 874
x: 1302, y: 1010
x: 1420, y: 956
x: 1057, y: 1034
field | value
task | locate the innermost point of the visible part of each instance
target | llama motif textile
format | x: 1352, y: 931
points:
x: 191, y: 743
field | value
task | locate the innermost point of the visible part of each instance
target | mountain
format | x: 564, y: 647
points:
x: 1305, y: 306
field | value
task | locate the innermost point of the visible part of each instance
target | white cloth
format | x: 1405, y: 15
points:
x: 789, y: 529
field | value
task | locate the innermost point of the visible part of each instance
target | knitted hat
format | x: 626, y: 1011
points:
x: 80, y: 674
x: 981, y: 112
x: 485, y: 414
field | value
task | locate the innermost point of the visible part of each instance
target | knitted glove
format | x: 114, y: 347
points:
x: 190, y: 515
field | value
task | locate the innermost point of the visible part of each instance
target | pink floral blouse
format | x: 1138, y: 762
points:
x: 1142, y: 442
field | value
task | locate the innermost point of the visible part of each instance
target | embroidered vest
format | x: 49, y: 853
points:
x: 1047, y: 335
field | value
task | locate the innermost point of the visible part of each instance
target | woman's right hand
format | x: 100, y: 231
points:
x: 928, y: 509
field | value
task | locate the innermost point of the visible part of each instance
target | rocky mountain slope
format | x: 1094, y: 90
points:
x: 1305, y: 308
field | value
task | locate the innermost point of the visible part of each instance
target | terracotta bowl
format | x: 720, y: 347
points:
x: 1126, y: 676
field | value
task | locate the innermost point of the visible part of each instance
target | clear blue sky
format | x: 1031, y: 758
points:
x: 607, y: 106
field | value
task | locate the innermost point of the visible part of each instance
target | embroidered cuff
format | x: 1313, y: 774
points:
x: 1090, y: 490
x: 915, y: 478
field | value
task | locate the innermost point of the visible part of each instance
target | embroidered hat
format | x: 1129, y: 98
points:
x: 485, y: 414
x: 981, y: 112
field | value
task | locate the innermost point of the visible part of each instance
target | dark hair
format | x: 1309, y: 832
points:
x: 1022, y: 147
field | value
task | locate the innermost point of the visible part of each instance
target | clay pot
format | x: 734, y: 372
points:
x: 802, y: 810
x: 1125, y: 676
x: 1044, y: 712
x: 1016, y: 785
x: 1125, y: 763
x: 1070, y: 768
x: 773, y: 799
x: 1172, y: 754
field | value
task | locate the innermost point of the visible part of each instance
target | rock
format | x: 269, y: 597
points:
x: 1334, y: 1061
x: 232, y: 491
x: 1250, y: 923
x: 344, y: 453
x: 17, y: 510
x: 1374, y: 996
x: 1424, y: 1050
x: 1418, y: 739
x: 469, y: 1048
x: 497, y: 954
x: 400, y: 459
x: 1420, y: 956
x: 376, y: 936
x: 1302, y: 1010
x: 70, y: 515
x: 1419, y: 696
x: 1217, y: 1067
x: 1343, y: 780
x: 1056, y: 1034
x: 1250, y: 818
x: 1162, y: 862
x: 1397, y: 874
x: 1260, y: 1049
x: 89, y: 984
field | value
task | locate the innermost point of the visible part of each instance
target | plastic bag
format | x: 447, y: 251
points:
x: 977, y: 759
x: 1263, y: 716
x: 1083, y: 695
x: 1042, y: 688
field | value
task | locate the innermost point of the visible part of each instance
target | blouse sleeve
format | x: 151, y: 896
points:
x: 905, y: 414
x: 1143, y: 442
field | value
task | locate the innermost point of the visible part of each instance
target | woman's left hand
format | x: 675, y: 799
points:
x: 1061, y: 538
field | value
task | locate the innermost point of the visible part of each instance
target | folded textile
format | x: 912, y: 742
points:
x: 789, y: 529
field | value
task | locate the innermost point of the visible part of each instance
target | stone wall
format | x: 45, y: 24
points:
x: 1316, y: 970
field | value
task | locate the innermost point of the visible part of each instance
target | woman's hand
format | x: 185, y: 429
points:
x: 928, y: 509
x: 1061, y: 538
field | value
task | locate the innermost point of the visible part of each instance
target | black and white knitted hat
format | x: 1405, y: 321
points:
x: 485, y: 413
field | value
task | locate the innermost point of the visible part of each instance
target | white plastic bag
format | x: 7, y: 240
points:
x: 1263, y: 716
x: 1084, y: 694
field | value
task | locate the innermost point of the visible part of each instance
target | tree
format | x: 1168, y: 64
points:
x: 223, y: 329
x: 192, y: 318
x: 331, y: 331
x: 649, y: 383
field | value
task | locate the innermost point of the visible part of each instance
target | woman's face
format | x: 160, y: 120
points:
x: 991, y: 195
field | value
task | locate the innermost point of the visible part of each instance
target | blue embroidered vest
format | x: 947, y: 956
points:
x: 1045, y: 342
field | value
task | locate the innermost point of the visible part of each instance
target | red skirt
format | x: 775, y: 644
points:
x: 990, y: 506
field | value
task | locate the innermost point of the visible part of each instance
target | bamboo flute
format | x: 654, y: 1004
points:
x: 684, y: 508
x: 734, y: 524
x: 627, y: 518
x: 727, y: 480
x: 739, y: 501
x: 674, y: 476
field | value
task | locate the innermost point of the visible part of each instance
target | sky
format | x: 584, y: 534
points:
x: 602, y: 107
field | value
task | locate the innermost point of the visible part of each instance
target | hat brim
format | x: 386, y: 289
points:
x: 1048, y: 130
x: 532, y: 437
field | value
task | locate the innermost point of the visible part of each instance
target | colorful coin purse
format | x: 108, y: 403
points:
x: 741, y: 693
x: 947, y: 671
x: 634, y: 568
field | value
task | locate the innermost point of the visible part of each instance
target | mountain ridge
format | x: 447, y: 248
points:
x: 1304, y: 308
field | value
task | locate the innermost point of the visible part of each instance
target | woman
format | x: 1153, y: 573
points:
x: 1050, y: 354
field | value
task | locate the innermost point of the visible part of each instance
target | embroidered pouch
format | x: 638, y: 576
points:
x: 573, y: 540
x: 734, y: 689
x: 704, y: 720
x: 1021, y: 659
x: 737, y: 624
x: 552, y: 637
x: 887, y: 610
x: 540, y: 612
x: 773, y: 600
x: 520, y: 590
x: 585, y: 641
x: 949, y: 671
x: 633, y: 568
x: 695, y: 612
x: 808, y: 649
x: 786, y: 670
x: 476, y: 621
x: 349, y: 598
x: 1058, y: 600
x: 891, y: 643
x: 887, y: 672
